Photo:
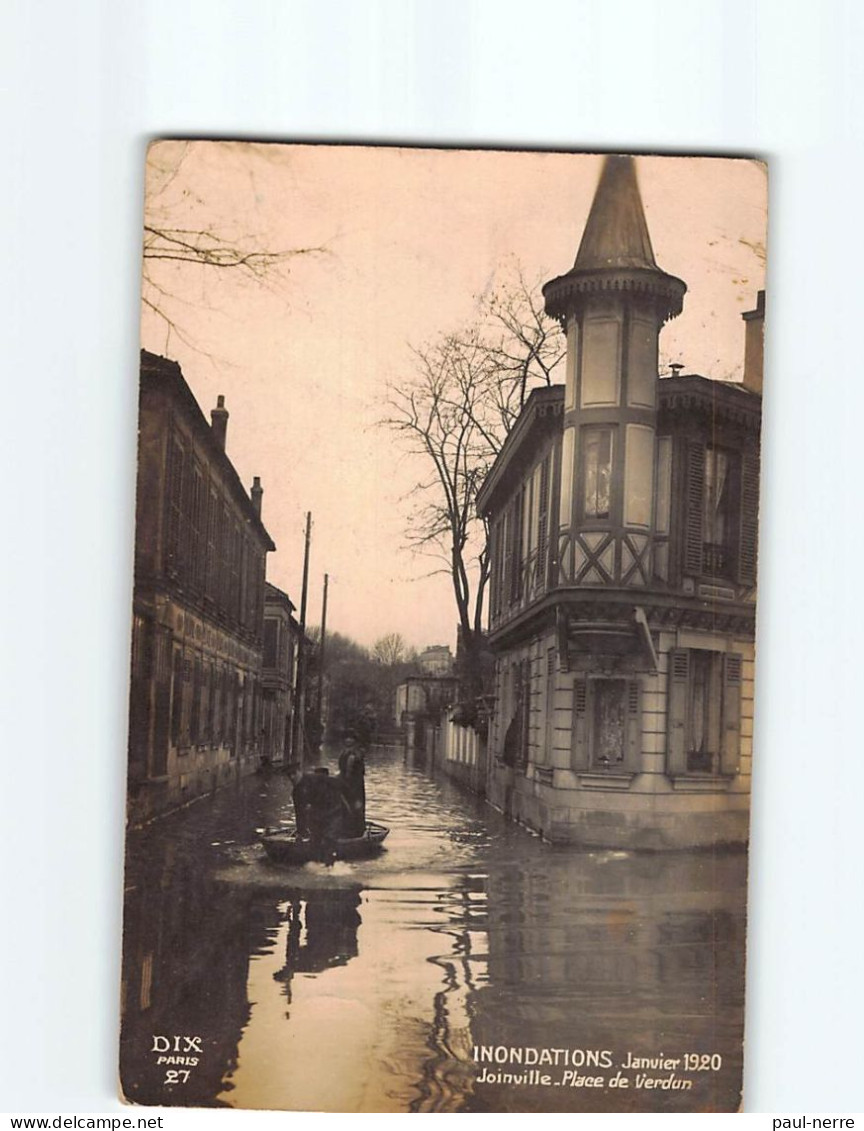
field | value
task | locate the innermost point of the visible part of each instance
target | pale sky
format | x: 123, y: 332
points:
x: 411, y: 239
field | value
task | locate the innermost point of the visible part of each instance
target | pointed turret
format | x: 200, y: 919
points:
x: 615, y: 253
x: 616, y: 234
x: 612, y: 304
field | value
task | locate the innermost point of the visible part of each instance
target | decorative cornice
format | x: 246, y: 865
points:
x: 616, y: 609
x: 709, y: 400
x: 567, y: 292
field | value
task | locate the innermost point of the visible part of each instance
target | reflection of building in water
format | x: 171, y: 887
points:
x: 187, y: 942
x: 200, y: 550
x: 643, y: 953
x: 322, y: 932
x: 623, y: 516
x: 447, y: 1074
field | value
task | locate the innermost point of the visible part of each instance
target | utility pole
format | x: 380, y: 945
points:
x: 298, y: 744
x: 321, y: 648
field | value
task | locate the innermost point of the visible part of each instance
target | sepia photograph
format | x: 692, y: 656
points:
x: 442, y: 673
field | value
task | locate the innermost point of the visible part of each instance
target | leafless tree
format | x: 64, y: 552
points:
x: 455, y: 411
x: 211, y: 246
x: 390, y: 650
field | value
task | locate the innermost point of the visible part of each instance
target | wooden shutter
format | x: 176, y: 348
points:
x: 173, y: 501
x: 494, y: 587
x: 749, y: 518
x: 544, y: 755
x: 694, y: 503
x: 516, y: 548
x: 676, y: 711
x: 730, y: 738
x: 633, y: 740
x: 543, y: 526
x: 507, y: 560
x: 579, y: 736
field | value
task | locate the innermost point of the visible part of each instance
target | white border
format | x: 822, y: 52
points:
x: 86, y: 84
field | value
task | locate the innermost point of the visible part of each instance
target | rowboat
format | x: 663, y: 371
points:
x: 283, y: 846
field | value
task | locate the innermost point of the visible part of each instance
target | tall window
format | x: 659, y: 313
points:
x: 704, y: 711
x: 719, y: 511
x: 607, y: 724
x: 596, y: 472
x: 722, y: 500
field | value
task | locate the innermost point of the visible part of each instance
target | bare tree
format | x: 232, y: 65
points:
x: 455, y: 412
x: 211, y: 246
x: 389, y: 650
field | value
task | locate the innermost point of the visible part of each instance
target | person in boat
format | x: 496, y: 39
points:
x: 352, y: 771
x: 318, y: 806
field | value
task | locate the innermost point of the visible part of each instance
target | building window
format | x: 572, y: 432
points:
x: 515, y: 745
x: 271, y: 637
x: 596, y: 472
x: 607, y: 724
x: 719, y: 511
x: 704, y: 712
x: 722, y: 499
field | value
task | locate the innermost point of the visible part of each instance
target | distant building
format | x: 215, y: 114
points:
x: 200, y: 553
x: 281, y: 633
x: 420, y: 703
x: 437, y: 659
x: 623, y: 518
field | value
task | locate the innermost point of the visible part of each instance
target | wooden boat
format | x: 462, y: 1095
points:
x: 283, y: 846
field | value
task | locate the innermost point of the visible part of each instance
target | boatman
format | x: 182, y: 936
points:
x: 352, y: 770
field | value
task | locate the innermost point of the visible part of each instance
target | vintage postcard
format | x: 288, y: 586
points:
x: 442, y: 672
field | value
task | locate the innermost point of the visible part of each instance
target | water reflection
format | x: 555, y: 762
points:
x: 368, y: 986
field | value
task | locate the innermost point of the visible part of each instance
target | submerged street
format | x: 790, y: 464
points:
x: 377, y: 985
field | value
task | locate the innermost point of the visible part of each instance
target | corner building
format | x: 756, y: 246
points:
x: 623, y: 520
x: 198, y: 602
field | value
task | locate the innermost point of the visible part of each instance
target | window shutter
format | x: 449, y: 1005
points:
x: 173, y: 502
x: 516, y: 549
x: 544, y: 755
x: 543, y: 526
x: 676, y: 711
x: 579, y: 749
x: 693, y: 537
x: 730, y: 752
x: 493, y: 570
x: 633, y: 748
x: 749, y: 518
x: 507, y: 556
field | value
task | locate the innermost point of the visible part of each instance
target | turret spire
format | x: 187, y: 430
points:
x: 615, y: 254
x: 616, y: 234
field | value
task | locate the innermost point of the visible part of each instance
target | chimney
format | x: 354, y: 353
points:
x: 754, y: 336
x: 219, y: 420
x: 255, y: 494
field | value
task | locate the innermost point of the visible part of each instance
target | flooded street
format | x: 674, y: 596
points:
x: 377, y: 985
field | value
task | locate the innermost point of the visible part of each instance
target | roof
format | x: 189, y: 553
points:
x: 276, y: 596
x: 544, y: 406
x: 616, y: 234
x: 162, y: 371
x: 615, y: 254
x: 727, y: 401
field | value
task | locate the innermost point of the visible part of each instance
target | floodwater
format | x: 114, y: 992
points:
x: 469, y: 967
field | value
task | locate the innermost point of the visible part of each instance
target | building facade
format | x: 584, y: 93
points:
x: 198, y: 604
x: 278, y: 673
x: 623, y: 519
x: 437, y: 659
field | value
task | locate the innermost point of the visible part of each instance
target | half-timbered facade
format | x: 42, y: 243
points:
x: 198, y: 603
x: 623, y: 519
